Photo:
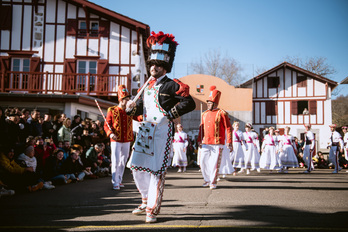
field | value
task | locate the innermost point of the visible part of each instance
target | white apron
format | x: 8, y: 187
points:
x: 153, y: 144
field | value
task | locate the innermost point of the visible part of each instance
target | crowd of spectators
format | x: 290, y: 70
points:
x: 39, y: 153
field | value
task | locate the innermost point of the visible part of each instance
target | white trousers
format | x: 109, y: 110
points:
x: 307, y: 157
x: 119, y: 156
x: 151, y: 187
x: 210, y: 162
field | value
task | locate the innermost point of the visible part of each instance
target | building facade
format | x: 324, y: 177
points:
x: 237, y: 102
x: 287, y: 95
x: 69, y: 47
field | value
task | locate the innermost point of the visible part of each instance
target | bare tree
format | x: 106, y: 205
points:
x: 317, y: 65
x: 215, y: 64
x: 340, y: 111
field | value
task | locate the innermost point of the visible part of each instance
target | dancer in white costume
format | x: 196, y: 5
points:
x: 345, y: 142
x: 251, y: 155
x: 238, y: 153
x: 180, y: 144
x: 164, y: 100
x: 308, y: 149
x: 269, y: 159
x: 336, y: 145
x: 287, y: 148
x: 226, y: 167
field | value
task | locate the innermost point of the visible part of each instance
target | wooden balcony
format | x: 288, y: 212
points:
x: 97, y: 85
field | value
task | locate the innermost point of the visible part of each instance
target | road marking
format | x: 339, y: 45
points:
x: 174, y: 226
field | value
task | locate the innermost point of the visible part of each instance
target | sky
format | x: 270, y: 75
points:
x: 258, y: 34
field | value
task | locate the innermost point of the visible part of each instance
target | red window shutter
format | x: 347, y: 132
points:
x: 70, y: 66
x: 35, y: 64
x: 275, y: 108
x: 294, y: 108
x: 5, y: 18
x: 4, y: 63
x: 313, y: 107
x: 71, y: 27
x: 104, y: 28
x: 103, y: 67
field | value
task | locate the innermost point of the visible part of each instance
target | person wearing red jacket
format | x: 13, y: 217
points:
x: 121, y: 134
x: 214, y: 129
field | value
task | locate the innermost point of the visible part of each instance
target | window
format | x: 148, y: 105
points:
x: 20, y: 80
x: 5, y: 17
x: 93, y: 28
x: 273, y: 82
x: 302, y: 107
x: 84, y: 67
x: 271, y: 108
x: 302, y: 81
x: 82, y: 114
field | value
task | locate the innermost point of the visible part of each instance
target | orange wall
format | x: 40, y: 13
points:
x: 232, y: 99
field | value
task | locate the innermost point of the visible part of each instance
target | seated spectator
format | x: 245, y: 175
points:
x: 342, y: 161
x: 66, y: 149
x: 64, y: 133
x: 4, y: 191
x: 322, y: 163
x: 74, y: 165
x: 300, y: 160
x: 54, y: 171
x: 28, y: 159
x: 60, y: 144
x: 95, y: 159
x: 17, y: 177
x: 86, y: 140
x: 30, y: 141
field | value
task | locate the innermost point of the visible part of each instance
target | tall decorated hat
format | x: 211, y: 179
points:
x: 122, y: 92
x: 162, y: 50
x: 214, y: 95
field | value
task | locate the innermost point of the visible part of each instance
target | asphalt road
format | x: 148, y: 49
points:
x: 256, y: 202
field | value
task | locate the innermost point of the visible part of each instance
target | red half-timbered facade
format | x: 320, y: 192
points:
x: 69, y: 47
x: 287, y: 95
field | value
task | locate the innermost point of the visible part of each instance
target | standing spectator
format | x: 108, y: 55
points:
x: 13, y: 130
x: 15, y: 176
x: 57, y: 124
x: 24, y: 125
x: 3, y: 128
x: 35, y: 128
x: 212, y: 134
x: 336, y: 146
x: 77, y: 129
x: 180, y: 144
x: 47, y: 127
x: 308, y: 149
x: 64, y: 133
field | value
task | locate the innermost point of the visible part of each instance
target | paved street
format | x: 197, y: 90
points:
x: 257, y: 202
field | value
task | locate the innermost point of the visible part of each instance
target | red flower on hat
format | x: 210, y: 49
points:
x: 159, y: 38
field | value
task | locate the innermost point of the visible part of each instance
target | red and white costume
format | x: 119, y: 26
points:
x: 252, y: 155
x: 180, y: 144
x: 122, y: 127
x: 287, y: 155
x: 212, y: 129
x: 269, y: 158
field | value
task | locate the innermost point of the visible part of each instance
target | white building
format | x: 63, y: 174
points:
x: 69, y: 47
x: 287, y: 95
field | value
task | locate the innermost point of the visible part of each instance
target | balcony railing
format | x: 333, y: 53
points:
x: 63, y: 83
